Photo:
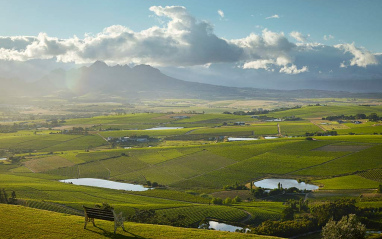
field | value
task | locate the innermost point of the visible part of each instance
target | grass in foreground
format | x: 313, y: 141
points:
x: 22, y: 222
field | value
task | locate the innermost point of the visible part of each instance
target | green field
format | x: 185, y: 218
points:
x: 347, y: 182
x: 191, y: 165
x: 44, y: 224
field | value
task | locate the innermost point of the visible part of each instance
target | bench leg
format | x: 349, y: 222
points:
x: 86, y: 221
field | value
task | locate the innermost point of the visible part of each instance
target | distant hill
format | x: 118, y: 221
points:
x: 101, y: 82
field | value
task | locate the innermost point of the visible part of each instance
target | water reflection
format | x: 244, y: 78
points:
x: 272, y: 183
x: 164, y: 128
x: 101, y: 183
x: 220, y: 226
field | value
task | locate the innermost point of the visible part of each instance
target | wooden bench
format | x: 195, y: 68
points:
x: 108, y: 215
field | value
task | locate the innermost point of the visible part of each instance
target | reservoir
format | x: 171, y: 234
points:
x: 219, y: 226
x: 164, y: 128
x: 101, y: 183
x: 272, y: 183
x: 240, y: 139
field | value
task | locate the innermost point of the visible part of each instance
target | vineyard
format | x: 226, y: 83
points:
x: 190, y: 166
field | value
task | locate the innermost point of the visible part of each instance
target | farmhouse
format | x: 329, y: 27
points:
x: 274, y: 120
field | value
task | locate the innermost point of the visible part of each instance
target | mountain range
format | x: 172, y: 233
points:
x: 100, y: 82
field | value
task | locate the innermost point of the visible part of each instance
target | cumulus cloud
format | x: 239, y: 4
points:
x: 328, y: 37
x: 292, y: 70
x: 258, y: 64
x: 299, y: 36
x: 221, y: 13
x: 362, y: 57
x: 274, y: 16
x: 184, y: 41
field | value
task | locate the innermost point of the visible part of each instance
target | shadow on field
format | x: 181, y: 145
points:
x: 110, y: 234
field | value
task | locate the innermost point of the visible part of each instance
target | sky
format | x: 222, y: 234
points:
x: 231, y: 42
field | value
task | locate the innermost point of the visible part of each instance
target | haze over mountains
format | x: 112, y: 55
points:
x: 102, y: 82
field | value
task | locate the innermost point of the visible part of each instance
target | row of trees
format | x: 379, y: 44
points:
x: 371, y: 117
x: 326, y: 133
x: 150, y: 216
x: 261, y: 111
x: 337, y: 219
x: 227, y: 201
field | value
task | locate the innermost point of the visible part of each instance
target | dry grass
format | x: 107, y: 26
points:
x: 48, y: 163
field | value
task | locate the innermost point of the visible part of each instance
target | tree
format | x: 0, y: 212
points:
x: 360, y: 116
x: 379, y: 190
x: 288, y: 214
x: 12, y: 199
x: 227, y: 201
x: 335, y: 210
x: 373, y: 117
x: 217, y: 201
x: 348, y: 227
x: 236, y: 199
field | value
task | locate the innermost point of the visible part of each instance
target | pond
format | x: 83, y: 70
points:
x: 241, y: 139
x: 164, y: 128
x: 3, y: 159
x: 101, y: 183
x: 270, y: 137
x: 219, y: 226
x: 272, y: 183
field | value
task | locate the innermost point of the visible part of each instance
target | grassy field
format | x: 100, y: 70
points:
x: 347, y: 182
x: 325, y: 111
x: 44, y: 224
x: 192, y: 164
x: 363, y: 160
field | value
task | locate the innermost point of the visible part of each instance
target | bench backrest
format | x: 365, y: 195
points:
x: 98, y: 213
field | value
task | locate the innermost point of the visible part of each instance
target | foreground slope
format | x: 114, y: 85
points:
x: 22, y: 222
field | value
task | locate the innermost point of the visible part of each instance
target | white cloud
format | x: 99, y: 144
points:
x: 328, y: 37
x: 362, y: 57
x: 299, y: 36
x: 221, y: 13
x: 183, y: 41
x: 292, y: 70
x: 274, y: 16
x: 258, y: 64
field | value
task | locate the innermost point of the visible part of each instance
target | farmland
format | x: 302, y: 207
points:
x: 193, y: 164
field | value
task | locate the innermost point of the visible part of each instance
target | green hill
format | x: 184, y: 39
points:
x: 22, y: 222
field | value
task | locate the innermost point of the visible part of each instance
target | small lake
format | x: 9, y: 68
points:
x: 241, y: 139
x: 219, y: 226
x: 101, y: 183
x: 272, y: 183
x: 164, y: 128
x: 3, y: 159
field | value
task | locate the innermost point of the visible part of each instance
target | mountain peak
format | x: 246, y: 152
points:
x: 98, y: 64
x: 146, y: 68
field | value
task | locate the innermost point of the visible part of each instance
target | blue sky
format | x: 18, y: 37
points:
x: 201, y: 39
x: 347, y: 21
